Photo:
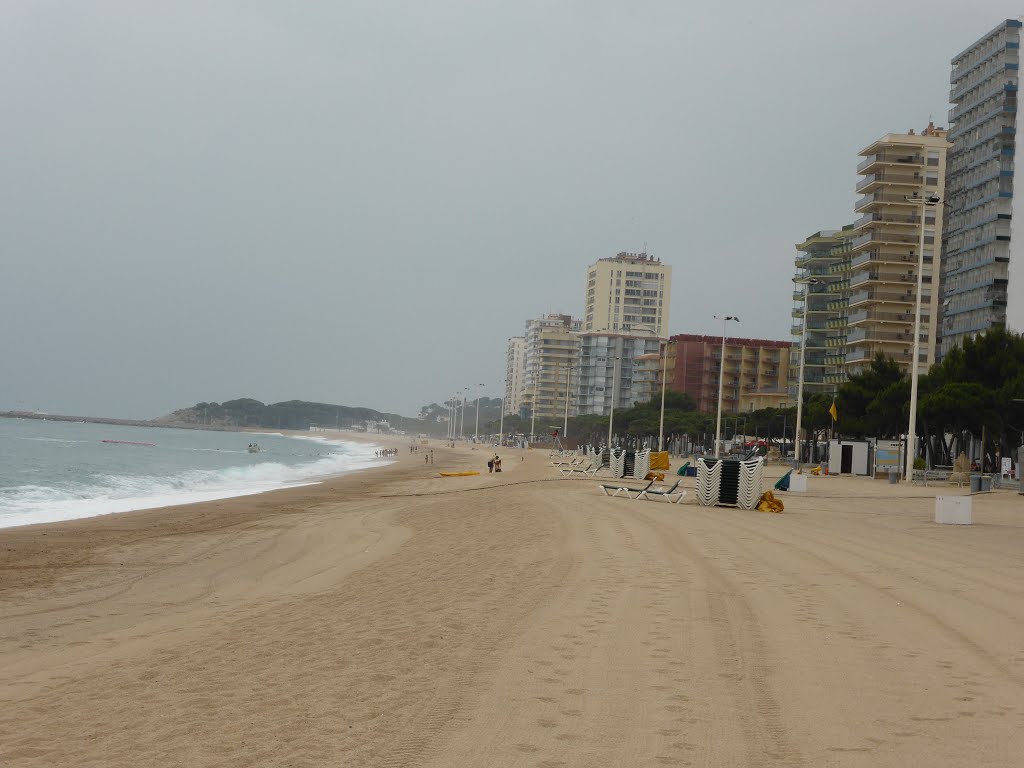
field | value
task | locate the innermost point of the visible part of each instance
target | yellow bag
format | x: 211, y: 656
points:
x: 768, y: 503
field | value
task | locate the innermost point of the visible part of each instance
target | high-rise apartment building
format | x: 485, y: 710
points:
x: 899, y: 170
x: 551, y: 347
x: 628, y: 293
x: 755, y: 371
x: 982, y: 273
x: 614, y: 366
x: 820, y: 295
x: 515, y: 371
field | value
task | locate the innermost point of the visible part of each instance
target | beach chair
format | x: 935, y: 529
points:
x: 572, y: 463
x: 647, y: 493
x: 625, y: 489
x: 591, y: 469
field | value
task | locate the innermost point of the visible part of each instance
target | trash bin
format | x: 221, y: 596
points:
x: 894, y: 476
x: 986, y: 483
x: 975, y: 483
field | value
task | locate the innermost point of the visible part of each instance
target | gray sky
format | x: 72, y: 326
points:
x: 360, y: 202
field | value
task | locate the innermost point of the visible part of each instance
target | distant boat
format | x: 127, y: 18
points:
x: 127, y: 442
x: 254, y: 448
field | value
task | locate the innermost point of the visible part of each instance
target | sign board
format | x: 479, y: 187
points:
x: 888, y: 455
x: 1007, y: 466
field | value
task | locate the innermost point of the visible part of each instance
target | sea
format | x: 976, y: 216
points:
x: 59, y: 470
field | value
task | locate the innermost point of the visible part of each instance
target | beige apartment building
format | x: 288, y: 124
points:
x: 552, y: 345
x: 628, y: 293
x: 515, y: 371
x: 885, y: 249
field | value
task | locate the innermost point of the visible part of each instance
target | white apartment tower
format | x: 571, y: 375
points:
x: 628, y: 293
x: 514, y: 374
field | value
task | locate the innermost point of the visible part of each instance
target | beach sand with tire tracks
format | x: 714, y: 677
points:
x: 396, y: 618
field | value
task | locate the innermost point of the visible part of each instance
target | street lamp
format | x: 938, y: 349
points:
x: 501, y: 422
x: 565, y: 423
x: 807, y: 281
x: 476, y: 430
x: 926, y: 201
x: 721, y: 383
x: 611, y: 411
x: 462, y: 418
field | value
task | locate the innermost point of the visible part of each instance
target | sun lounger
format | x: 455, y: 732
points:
x: 590, y: 469
x: 572, y: 463
x: 647, y: 493
x: 623, y: 489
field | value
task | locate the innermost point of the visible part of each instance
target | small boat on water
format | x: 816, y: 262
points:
x: 254, y: 448
x: 126, y: 442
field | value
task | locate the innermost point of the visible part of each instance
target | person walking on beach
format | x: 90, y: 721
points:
x: 497, y: 463
x: 490, y: 466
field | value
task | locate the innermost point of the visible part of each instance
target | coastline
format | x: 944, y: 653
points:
x: 396, y: 618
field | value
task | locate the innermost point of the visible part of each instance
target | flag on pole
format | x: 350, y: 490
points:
x: 833, y: 412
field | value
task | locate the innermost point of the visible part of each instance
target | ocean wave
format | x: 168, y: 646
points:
x: 109, y: 493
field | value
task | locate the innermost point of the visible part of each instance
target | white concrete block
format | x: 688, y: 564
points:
x: 953, y: 510
x: 797, y: 483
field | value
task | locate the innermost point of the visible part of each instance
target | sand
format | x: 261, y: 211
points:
x: 395, y: 618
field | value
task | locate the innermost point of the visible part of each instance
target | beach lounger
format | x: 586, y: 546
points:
x: 647, y: 493
x: 623, y: 489
x: 572, y: 463
x: 590, y: 469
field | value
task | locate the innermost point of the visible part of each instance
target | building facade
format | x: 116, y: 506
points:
x: 899, y: 170
x: 551, y: 347
x: 820, y: 295
x: 628, y: 293
x: 755, y: 373
x: 982, y: 280
x: 615, y: 367
x: 515, y: 374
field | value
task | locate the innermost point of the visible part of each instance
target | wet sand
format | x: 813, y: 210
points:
x: 396, y: 618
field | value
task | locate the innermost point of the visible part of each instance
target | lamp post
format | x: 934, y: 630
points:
x: 501, y: 421
x: 664, y: 377
x: 809, y: 281
x: 721, y: 383
x: 533, y: 412
x: 926, y: 201
x: 476, y: 430
x: 565, y: 423
x: 462, y: 417
x: 611, y: 410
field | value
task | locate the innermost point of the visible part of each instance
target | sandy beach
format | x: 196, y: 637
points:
x: 394, y: 618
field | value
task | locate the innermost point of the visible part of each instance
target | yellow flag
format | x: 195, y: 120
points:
x: 833, y: 412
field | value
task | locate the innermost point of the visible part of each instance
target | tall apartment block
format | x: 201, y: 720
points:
x: 551, y: 348
x: 898, y: 169
x: 982, y: 280
x: 820, y: 295
x: 615, y: 367
x: 628, y: 293
x: 755, y: 376
x: 515, y: 371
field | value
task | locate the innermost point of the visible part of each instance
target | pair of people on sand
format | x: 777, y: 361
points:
x: 494, y: 465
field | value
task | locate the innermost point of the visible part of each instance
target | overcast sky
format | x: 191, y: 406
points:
x: 359, y: 202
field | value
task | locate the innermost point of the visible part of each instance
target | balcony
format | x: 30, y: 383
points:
x: 886, y: 218
x: 887, y: 337
x: 879, y: 296
x: 880, y: 316
x: 889, y: 158
x: 882, y: 178
x: 889, y: 238
x: 880, y: 198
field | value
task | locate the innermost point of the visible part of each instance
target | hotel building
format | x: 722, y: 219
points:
x: 755, y: 372
x: 898, y: 169
x: 615, y: 366
x: 551, y: 346
x: 515, y: 371
x: 627, y: 293
x: 982, y: 271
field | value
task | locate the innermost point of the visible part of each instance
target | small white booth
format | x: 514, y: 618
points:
x: 849, y: 457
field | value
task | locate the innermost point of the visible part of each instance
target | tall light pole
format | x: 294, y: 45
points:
x: 926, y: 201
x: 611, y: 411
x: 721, y: 383
x: 664, y: 378
x: 501, y: 422
x: 462, y: 418
x: 565, y: 423
x: 476, y: 430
